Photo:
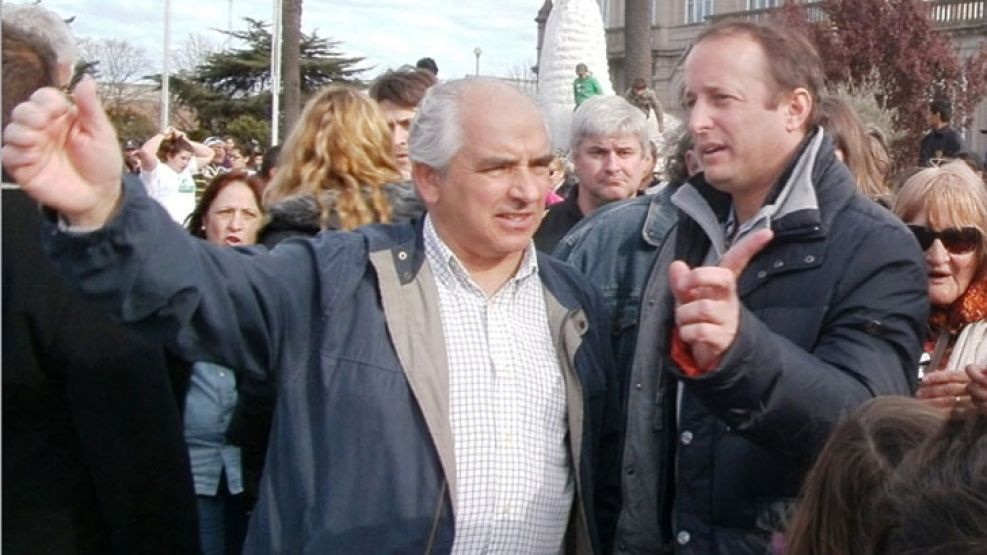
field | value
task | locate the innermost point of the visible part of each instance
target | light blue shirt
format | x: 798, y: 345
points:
x: 209, y: 408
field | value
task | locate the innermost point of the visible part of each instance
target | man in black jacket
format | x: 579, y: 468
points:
x: 93, y: 455
x: 776, y: 299
x: 942, y: 141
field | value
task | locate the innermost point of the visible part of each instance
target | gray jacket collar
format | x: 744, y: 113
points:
x: 796, y: 195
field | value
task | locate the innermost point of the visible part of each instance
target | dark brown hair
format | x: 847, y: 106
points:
x: 404, y: 86
x: 938, y: 499
x: 172, y: 146
x: 196, y: 219
x: 792, y: 61
x: 837, y: 513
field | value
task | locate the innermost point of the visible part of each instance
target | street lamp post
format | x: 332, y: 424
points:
x: 477, y: 52
x: 165, y: 70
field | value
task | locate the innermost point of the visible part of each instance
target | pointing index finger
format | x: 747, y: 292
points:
x: 739, y: 255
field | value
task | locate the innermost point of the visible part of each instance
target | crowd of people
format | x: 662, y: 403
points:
x: 416, y: 328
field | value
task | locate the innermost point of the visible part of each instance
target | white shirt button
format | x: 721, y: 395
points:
x: 683, y: 537
x: 686, y: 437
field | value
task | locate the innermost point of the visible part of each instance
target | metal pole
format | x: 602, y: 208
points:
x: 276, y: 73
x: 165, y: 71
x: 477, y: 52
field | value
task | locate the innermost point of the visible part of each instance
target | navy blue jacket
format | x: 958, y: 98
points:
x: 833, y: 313
x: 361, y: 456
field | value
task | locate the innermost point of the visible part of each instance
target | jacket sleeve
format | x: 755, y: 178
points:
x: 786, y: 396
x: 243, y: 308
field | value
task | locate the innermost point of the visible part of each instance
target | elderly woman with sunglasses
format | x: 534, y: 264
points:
x: 946, y: 209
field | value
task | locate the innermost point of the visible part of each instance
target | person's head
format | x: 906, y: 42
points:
x: 229, y: 212
x: 237, y: 158
x: 481, y: 155
x: 940, y: 112
x: 38, y: 51
x: 946, y: 208
x: 639, y: 84
x: 648, y: 166
x: 880, y: 154
x: 682, y: 162
x: 837, y: 513
x: 45, y: 33
x: 175, y: 152
x: 429, y: 65
x: 340, y: 144
x: 269, y: 166
x: 853, y: 146
x: 750, y: 91
x: 582, y: 70
x: 398, y: 93
x: 218, y: 147
x: 609, y: 144
x: 938, y: 497
x: 130, y: 149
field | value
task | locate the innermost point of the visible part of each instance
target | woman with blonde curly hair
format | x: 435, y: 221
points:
x: 337, y: 170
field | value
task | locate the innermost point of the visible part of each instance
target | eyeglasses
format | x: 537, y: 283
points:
x: 957, y: 240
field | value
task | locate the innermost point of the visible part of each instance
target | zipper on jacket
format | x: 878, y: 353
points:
x: 435, y: 519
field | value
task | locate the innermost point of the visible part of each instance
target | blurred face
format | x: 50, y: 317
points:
x: 489, y: 202
x: 744, y: 136
x: 179, y: 162
x: 218, y: 153
x: 609, y: 169
x: 238, y: 162
x: 234, y: 217
x: 399, y: 120
x: 950, y: 273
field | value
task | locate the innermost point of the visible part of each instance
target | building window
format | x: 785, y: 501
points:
x: 761, y: 4
x: 654, y: 13
x: 696, y: 11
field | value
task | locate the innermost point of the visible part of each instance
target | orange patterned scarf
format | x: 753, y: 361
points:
x: 970, y: 307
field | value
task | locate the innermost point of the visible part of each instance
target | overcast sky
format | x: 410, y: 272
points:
x: 388, y: 33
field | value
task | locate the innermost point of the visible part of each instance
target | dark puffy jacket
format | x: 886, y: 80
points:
x: 361, y: 457
x: 834, y: 312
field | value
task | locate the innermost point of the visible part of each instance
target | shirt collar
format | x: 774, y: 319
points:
x: 450, y: 272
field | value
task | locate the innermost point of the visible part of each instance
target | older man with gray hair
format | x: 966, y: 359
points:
x: 609, y: 150
x: 442, y: 387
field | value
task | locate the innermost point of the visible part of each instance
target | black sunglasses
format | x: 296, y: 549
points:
x: 957, y: 240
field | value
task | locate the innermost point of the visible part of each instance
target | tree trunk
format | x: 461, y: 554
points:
x: 291, y: 21
x: 637, y: 42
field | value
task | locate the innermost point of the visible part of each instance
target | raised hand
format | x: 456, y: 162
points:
x: 707, y: 312
x: 64, y: 153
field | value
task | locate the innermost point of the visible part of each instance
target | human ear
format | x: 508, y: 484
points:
x: 798, y: 107
x: 426, y: 181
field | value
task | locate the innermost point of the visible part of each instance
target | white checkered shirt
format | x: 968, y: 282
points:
x: 508, y: 410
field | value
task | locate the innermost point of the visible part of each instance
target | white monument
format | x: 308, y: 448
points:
x: 574, y: 33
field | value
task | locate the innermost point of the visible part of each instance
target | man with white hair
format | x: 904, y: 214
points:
x: 442, y: 387
x: 610, y: 154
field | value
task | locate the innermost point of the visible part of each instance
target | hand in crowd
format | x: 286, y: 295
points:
x: 707, y: 312
x: 63, y: 152
x: 977, y: 387
x: 946, y: 389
